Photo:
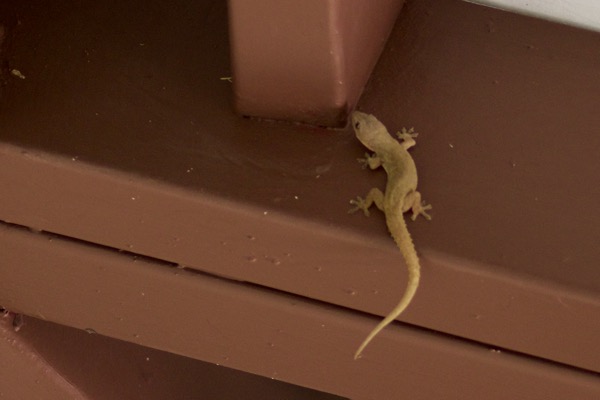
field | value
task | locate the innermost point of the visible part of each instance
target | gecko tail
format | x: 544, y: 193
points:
x: 411, y: 289
x: 402, y: 238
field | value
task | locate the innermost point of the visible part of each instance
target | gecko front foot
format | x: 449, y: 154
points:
x: 359, y: 204
x: 364, y: 162
x: 406, y: 134
x: 370, y: 160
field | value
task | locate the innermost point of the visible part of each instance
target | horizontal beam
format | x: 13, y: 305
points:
x: 236, y: 324
x: 328, y: 263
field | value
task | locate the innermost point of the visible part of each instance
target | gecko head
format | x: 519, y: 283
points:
x: 367, y: 128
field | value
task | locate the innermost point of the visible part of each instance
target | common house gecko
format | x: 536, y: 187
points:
x: 400, y: 196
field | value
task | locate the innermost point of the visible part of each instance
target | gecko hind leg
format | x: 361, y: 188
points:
x: 375, y: 196
x: 413, y: 202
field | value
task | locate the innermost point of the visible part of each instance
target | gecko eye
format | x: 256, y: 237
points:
x: 357, y: 125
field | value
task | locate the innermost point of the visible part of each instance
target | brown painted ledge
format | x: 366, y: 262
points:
x: 122, y: 158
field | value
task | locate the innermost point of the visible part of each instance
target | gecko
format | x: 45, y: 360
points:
x: 400, y: 196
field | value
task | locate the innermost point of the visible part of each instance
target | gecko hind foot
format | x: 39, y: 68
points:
x: 421, y: 210
x: 359, y: 204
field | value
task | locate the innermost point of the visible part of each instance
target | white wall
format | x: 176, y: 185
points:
x: 582, y: 13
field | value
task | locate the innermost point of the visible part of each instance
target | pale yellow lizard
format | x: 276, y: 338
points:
x: 400, y: 196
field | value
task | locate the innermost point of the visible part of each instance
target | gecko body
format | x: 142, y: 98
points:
x: 400, y: 196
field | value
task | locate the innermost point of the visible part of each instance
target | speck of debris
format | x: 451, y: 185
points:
x: 17, y: 73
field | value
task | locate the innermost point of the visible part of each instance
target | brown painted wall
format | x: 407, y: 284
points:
x: 122, y: 142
